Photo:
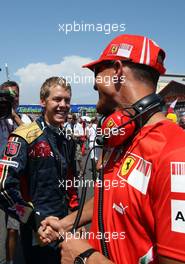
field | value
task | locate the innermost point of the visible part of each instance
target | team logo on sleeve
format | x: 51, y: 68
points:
x: 33, y: 133
x: 12, y: 149
x: 136, y: 172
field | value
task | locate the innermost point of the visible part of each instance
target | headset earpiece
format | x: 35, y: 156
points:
x: 99, y: 136
x: 116, y: 128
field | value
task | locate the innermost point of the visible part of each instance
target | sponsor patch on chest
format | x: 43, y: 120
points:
x: 41, y: 149
x: 136, y: 171
x: 178, y: 216
x: 119, y: 208
x: 177, y: 177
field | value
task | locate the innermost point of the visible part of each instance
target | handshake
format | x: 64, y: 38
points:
x: 55, y: 229
x: 52, y: 229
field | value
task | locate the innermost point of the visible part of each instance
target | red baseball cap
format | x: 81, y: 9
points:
x: 137, y: 49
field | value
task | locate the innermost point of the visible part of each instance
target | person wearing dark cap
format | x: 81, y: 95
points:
x: 143, y: 211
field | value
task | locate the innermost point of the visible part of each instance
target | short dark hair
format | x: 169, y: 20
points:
x: 9, y: 84
x: 143, y: 72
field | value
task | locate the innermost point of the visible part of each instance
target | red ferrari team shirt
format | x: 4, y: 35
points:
x: 144, y: 197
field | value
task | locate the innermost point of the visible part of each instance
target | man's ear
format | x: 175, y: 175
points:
x: 119, y: 73
x: 43, y: 102
x: 118, y: 68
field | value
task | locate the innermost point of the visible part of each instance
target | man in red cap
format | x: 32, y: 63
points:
x: 141, y: 217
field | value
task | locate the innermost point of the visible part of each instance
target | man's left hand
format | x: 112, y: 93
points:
x: 72, y: 246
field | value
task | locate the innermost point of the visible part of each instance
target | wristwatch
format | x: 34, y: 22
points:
x: 82, y: 258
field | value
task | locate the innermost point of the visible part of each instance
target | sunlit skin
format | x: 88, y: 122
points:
x: 106, y: 103
x: 56, y: 105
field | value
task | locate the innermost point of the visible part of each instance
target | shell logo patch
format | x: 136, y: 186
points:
x: 127, y: 165
x: 33, y: 133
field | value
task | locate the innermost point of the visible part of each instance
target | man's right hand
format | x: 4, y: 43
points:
x: 52, y: 228
x: 49, y: 230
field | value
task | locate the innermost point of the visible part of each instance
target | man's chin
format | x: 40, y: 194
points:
x: 58, y: 121
x: 60, y: 117
x: 102, y: 110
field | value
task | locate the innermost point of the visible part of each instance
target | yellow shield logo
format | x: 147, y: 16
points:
x: 127, y: 165
x: 110, y: 123
x: 114, y: 49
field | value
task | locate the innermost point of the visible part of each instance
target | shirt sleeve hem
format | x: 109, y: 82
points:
x: 171, y: 252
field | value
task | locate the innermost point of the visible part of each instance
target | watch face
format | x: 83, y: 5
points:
x: 79, y: 260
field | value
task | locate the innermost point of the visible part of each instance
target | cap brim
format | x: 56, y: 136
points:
x: 92, y: 64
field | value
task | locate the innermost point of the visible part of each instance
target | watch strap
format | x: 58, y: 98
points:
x: 86, y: 254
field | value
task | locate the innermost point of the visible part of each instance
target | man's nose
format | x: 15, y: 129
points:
x: 62, y: 103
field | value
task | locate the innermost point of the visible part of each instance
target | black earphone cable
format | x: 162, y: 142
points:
x: 100, y: 209
x: 83, y: 194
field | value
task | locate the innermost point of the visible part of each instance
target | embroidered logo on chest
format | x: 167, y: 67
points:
x: 41, y: 149
x: 136, y: 171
